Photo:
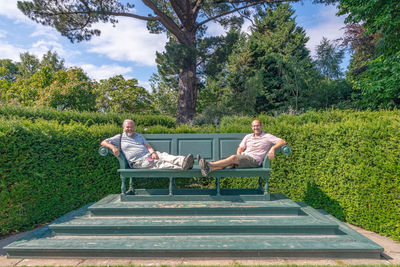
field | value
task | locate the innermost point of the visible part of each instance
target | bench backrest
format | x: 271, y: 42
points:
x: 213, y: 146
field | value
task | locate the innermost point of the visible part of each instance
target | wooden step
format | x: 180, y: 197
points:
x: 232, y: 229
x: 113, y: 206
x: 196, y: 246
x: 188, y: 225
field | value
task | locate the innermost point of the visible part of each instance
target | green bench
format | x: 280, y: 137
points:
x: 213, y: 146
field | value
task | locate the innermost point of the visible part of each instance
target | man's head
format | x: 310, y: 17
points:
x: 256, y: 127
x: 129, y: 127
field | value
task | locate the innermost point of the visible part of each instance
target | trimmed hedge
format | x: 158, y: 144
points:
x: 48, y: 169
x: 345, y: 162
x: 88, y: 118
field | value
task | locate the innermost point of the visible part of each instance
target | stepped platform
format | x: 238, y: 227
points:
x: 195, y: 226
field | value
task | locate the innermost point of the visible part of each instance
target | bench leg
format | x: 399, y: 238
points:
x: 123, y: 187
x: 266, y: 189
x: 171, y: 187
x: 130, y: 189
x: 260, y: 184
x: 217, y: 185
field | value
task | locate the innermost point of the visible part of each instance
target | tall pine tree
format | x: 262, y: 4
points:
x: 270, y: 72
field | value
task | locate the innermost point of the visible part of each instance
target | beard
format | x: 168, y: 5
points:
x: 129, y: 134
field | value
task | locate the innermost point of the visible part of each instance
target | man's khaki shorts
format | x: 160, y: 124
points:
x: 247, y: 162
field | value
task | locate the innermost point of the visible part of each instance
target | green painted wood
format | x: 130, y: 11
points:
x: 213, y: 146
x: 195, y: 172
x: 198, y: 205
x: 161, y: 254
x: 217, y: 225
x: 211, y: 246
x: 184, y: 194
x: 302, y: 234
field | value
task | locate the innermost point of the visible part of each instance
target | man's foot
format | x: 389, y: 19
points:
x: 205, y: 169
x: 188, y: 162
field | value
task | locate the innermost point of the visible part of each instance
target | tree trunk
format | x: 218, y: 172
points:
x: 187, y: 89
x: 187, y: 93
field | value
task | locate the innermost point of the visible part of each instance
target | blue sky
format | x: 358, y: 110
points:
x: 128, y: 48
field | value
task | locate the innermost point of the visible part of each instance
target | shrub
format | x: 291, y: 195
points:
x: 88, y: 118
x: 48, y: 169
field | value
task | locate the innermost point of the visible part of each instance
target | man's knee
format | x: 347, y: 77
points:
x: 234, y: 159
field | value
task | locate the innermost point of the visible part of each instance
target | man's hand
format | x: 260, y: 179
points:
x: 110, y: 146
x: 271, y: 154
x: 240, y: 150
x: 115, y: 150
x: 154, y: 155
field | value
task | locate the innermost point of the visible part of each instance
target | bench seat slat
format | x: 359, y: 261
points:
x: 195, y: 172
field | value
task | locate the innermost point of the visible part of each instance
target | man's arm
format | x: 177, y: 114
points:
x: 110, y: 146
x: 240, y: 150
x: 242, y: 146
x: 271, y: 153
x: 151, y: 151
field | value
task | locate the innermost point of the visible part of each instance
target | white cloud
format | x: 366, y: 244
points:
x: 246, y: 26
x: 215, y: 29
x: 104, y: 71
x: 128, y: 41
x: 41, y: 47
x: 329, y: 26
x: 45, y: 32
x: 37, y: 49
x: 9, y: 51
x: 107, y: 71
x: 10, y: 10
x: 146, y: 85
x: 3, y: 33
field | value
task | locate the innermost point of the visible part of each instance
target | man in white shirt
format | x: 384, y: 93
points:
x: 250, y: 153
x: 140, y: 154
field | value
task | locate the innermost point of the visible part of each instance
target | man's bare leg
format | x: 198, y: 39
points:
x: 223, y: 163
x: 207, y: 167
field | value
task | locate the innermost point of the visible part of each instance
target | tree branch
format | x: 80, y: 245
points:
x: 240, y: 8
x: 197, y: 7
x: 179, y: 12
x: 117, y: 14
x: 246, y: 17
x: 226, y: 13
x: 167, y: 22
x: 188, y: 8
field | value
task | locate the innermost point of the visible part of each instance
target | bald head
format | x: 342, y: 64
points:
x: 128, y: 121
x: 256, y: 127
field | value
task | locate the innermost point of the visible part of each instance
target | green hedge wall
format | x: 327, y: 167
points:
x: 345, y: 162
x: 88, y: 118
x: 48, y: 169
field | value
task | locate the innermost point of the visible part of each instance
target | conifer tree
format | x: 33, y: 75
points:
x: 268, y: 72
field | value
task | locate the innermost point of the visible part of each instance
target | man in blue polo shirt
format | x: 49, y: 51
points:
x: 140, y: 154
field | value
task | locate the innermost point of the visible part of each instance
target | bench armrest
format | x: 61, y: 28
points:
x: 123, y: 164
x: 285, y: 150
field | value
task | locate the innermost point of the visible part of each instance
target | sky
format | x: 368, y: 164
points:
x: 128, y: 48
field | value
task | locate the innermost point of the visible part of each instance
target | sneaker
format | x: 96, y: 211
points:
x: 188, y: 162
x: 205, y: 169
